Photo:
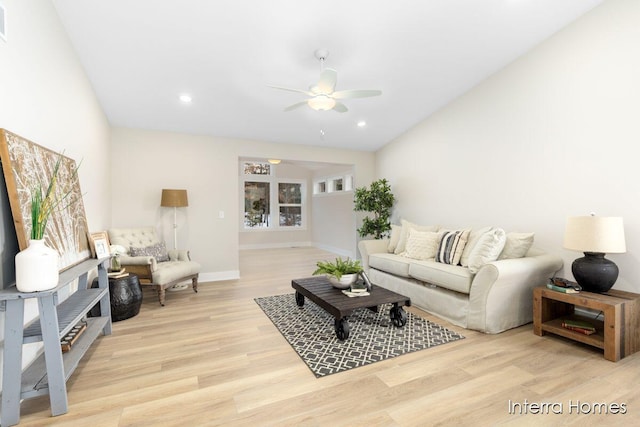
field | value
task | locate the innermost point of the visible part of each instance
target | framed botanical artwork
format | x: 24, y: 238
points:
x: 26, y: 165
x: 99, y: 244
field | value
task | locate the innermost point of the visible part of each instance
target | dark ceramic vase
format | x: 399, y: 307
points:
x: 594, y: 272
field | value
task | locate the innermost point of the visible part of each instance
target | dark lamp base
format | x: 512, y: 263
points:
x: 594, y: 272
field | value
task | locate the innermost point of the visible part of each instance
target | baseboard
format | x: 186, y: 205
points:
x: 337, y: 251
x: 219, y: 276
x: 276, y: 245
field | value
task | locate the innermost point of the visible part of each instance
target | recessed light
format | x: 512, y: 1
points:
x: 185, y: 98
x: 362, y: 124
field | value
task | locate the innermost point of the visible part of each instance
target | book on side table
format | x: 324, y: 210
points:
x: 563, y: 285
x: 581, y: 326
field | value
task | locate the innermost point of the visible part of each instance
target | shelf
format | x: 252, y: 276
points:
x: 65, y: 278
x: 597, y: 340
x: 34, y: 378
x: 70, y: 312
x: 49, y: 372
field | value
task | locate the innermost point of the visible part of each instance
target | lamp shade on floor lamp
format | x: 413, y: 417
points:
x: 174, y: 199
x: 595, y: 236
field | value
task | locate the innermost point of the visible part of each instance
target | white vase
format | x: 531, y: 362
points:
x: 344, y: 282
x: 36, y: 268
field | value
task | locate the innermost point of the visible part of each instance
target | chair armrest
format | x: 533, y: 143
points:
x: 138, y: 260
x: 179, y: 255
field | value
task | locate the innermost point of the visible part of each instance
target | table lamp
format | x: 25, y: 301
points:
x: 174, y: 199
x: 595, y: 236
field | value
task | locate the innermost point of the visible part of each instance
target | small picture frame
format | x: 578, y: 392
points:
x: 99, y: 243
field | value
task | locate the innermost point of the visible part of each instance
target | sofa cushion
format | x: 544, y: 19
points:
x: 422, y: 244
x: 404, y: 234
x: 394, y: 238
x: 474, y: 236
x: 517, y: 245
x: 487, y: 249
x: 451, y: 246
x: 391, y: 263
x: 157, y: 250
x: 448, y: 276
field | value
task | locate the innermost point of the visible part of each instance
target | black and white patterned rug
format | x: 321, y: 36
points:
x: 310, y: 331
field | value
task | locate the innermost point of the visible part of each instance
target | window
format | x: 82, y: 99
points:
x: 257, y: 168
x: 256, y: 204
x: 270, y: 202
x: 320, y: 187
x: 334, y: 184
x: 290, y: 204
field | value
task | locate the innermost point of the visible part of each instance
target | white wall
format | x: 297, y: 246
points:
x: 552, y: 135
x: 147, y: 161
x: 334, y: 221
x: 46, y: 97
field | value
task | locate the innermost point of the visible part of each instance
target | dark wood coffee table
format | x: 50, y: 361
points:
x: 333, y: 301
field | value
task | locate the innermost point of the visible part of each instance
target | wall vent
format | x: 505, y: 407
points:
x: 3, y: 23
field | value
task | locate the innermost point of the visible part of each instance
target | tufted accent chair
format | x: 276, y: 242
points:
x: 150, y: 272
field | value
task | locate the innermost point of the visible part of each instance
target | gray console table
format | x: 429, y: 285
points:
x: 51, y: 370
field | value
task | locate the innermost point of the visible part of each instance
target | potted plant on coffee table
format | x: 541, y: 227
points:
x: 340, y: 272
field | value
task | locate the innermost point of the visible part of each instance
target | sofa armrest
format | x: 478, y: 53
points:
x: 179, y: 255
x: 501, y: 295
x: 368, y: 247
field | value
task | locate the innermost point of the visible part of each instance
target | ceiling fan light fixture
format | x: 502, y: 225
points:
x: 321, y: 103
x: 274, y: 161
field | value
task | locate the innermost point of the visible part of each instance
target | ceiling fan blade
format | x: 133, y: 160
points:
x: 292, y: 90
x: 340, y: 107
x: 328, y: 79
x: 355, y: 93
x: 296, y: 105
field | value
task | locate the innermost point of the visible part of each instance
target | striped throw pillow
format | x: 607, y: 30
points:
x: 451, y: 246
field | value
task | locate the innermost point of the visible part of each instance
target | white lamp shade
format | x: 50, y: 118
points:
x: 595, y: 234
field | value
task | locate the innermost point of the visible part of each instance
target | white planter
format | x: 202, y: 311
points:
x: 345, y: 281
x: 36, y: 268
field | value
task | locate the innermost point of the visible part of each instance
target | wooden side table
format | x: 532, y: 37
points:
x: 618, y: 334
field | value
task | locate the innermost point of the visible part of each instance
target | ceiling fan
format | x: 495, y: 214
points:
x: 322, y: 96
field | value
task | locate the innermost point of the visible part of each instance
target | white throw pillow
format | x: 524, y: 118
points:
x: 395, y: 237
x: 487, y: 249
x: 404, y: 235
x: 422, y: 244
x: 474, y: 236
x: 517, y: 245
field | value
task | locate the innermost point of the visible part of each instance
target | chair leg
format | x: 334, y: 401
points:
x: 194, y: 284
x: 161, y: 295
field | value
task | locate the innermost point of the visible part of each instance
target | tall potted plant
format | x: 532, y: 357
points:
x: 378, y: 199
x: 37, y: 265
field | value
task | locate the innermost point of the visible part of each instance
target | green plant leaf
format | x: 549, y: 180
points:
x: 338, y: 267
x: 378, y: 199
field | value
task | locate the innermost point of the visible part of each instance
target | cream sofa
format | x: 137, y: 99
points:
x: 147, y: 257
x: 489, y: 289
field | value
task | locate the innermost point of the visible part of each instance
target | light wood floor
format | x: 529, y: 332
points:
x: 214, y: 358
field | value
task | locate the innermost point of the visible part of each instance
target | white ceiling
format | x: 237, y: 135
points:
x: 140, y: 55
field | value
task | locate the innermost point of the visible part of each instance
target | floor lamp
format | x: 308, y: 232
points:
x: 175, y: 199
